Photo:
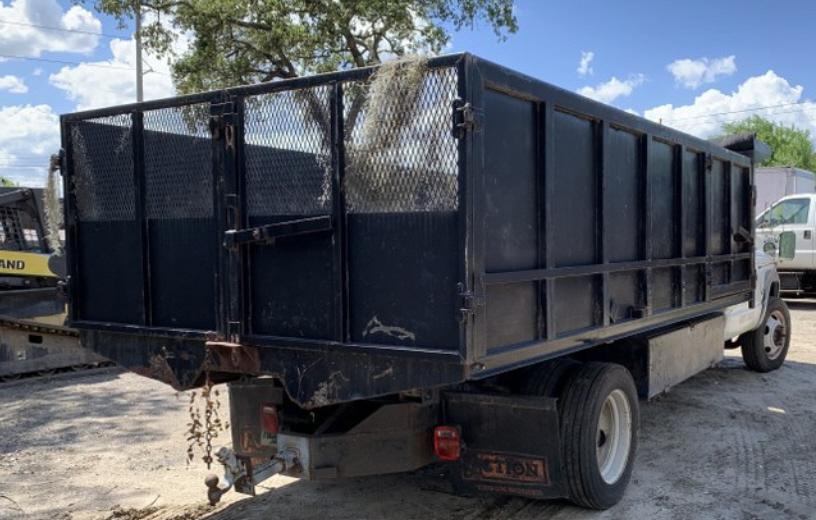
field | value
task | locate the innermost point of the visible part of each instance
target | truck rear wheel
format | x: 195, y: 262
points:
x: 548, y: 379
x: 599, y: 421
x: 765, y: 348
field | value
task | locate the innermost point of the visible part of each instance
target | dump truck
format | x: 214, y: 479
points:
x: 481, y: 270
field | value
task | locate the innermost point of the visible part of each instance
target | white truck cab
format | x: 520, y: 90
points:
x: 762, y: 328
x: 792, y: 217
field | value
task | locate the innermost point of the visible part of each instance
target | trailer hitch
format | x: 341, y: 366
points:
x: 236, y: 474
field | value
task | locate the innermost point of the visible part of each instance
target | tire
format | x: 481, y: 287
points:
x: 598, y: 459
x: 547, y: 379
x: 765, y: 348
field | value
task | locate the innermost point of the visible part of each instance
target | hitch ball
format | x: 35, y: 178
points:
x: 214, y: 493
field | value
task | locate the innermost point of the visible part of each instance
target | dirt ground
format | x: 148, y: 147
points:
x: 727, y: 444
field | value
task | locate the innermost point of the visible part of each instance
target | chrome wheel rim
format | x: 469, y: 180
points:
x: 614, y: 436
x: 775, y: 336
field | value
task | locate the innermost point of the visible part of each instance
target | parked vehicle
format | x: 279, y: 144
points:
x: 490, y: 273
x: 792, y: 219
x: 761, y: 328
x: 33, y: 339
x: 773, y: 183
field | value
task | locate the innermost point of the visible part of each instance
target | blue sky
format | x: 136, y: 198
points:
x: 683, y: 63
x: 632, y: 37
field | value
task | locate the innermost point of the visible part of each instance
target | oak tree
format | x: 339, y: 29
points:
x: 248, y: 41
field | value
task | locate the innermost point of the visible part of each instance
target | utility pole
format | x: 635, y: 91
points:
x: 138, y: 38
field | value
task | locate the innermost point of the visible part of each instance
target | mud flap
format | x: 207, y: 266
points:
x: 510, y: 444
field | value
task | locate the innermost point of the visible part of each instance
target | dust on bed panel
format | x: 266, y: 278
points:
x: 664, y: 225
x: 720, y: 239
x: 693, y: 204
x: 402, y: 279
x: 511, y: 221
x: 401, y: 186
x: 288, y: 167
x: 180, y: 220
x: 740, y: 177
x: 102, y: 184
x: 575, y: 241
x: 623, y: 209
x: 662, y: 193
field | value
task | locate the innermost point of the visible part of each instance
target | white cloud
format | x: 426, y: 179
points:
x: 13, y: 84
x: 37, y: 72
x: 613, y: 89
x: 20, y: 38
x: 29, y: 134
x: 585, y: 65
x: 113, y: 81
x: 705, y: 116
x: 693, y: 73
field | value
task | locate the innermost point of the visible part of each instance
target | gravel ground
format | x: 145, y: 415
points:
x: 728, y: 443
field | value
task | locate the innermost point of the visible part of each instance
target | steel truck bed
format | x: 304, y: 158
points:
x: 504, y: 221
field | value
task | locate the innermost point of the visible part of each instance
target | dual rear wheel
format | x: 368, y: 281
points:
x: 599, y: 418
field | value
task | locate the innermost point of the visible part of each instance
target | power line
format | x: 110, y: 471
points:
x: 705, y: 116
x: 68, y: 62
x: 64, y: 62
x: 804, y: 110
x: 50, y: 28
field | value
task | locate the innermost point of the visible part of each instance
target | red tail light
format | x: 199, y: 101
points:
x: 269, y: 418
x: 447, y: 443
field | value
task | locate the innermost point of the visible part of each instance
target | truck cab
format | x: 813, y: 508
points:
x: 793, y: 217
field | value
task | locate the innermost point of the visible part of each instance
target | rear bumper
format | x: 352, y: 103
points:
x: 313, y: 376
x: 510, y: 444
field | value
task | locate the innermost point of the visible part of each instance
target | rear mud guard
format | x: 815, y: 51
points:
x: 510, y: 444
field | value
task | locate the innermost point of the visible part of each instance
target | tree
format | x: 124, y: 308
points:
x: 790, y: 146
x: 249, y: 41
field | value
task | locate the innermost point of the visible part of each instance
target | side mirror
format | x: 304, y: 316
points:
x: 787, y: 245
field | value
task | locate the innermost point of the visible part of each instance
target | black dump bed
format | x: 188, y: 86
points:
x: 262, y: 230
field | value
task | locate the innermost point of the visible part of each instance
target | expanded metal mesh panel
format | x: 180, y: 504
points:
x: 178, y: 162
x: 406, y: 160
x: 13, y: 237
x: 102, y: 153
x: 288, y: 152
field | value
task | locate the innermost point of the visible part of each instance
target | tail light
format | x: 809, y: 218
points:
x: 269, y: 418
x: 447, y: 443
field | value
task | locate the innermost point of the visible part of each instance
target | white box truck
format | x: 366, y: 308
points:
x: 773, y: 183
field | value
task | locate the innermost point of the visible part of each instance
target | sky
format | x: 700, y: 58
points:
x: 692, y: 64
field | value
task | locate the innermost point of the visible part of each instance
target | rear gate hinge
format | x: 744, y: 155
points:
x: 233, y: 330
x: 222, y: 123
x: 465, y: 117
x: 470, y: 303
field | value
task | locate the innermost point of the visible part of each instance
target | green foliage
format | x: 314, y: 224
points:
x: 791, y: 146
x: 7, y: 183
x: 248, y: 41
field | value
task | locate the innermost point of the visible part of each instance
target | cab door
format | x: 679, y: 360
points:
x: 795, y: 215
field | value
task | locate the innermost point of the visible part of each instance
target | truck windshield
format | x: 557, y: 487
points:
x: 793, y: 211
